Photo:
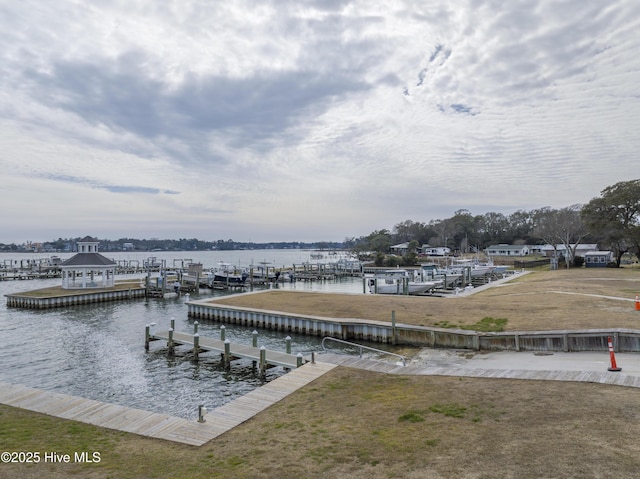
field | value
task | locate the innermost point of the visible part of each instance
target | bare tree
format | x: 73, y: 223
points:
x: 563, y: 226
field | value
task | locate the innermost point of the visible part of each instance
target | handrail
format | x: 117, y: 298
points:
x: 361, y: 347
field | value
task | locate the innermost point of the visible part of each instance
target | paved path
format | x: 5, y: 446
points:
x: 556, y: 366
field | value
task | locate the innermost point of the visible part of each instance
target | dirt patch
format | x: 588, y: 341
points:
x: 564, y: 299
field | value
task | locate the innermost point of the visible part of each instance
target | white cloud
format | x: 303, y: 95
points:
x: 315, y: 120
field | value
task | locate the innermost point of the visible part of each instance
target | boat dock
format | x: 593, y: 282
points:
x: 229, y: 351
x: 162, y: 426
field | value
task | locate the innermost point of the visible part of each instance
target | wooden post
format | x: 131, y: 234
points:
x: 393, y: 327
x: 173, y: 323
x: 263, y: 360
x: 299, y: 360
x: 170, y: 342
x: 227, y: 354
x: 288, y: 343
x: 146, y: 337
x: 195, y: 327
x: 196, y: 345
x: 223, y: 332
x: 255, y: 344
x: 201, y: 413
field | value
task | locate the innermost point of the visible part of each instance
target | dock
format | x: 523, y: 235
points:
x: 229, y: 351
x: 156, y: 425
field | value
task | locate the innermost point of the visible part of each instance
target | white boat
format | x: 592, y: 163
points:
x: 432, y: 272
x: 398, y: 281
x: 475, y: 268
x: 229, y: 274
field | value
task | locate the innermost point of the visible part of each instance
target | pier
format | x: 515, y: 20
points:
x: 212, y: 424
x: 229, y: 351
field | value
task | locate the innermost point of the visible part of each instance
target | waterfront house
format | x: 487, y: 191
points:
x: 597, y: 259
x: 400, y: 249
x: 88, y: 268
x: 435, y: 250
x: 561, y: 250
x: 507, y: 250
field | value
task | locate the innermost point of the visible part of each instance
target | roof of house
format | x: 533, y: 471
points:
x: 88, y: 259
x: 581, y: 246
x: 508, y: 246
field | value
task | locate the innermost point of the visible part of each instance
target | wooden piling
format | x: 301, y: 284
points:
x: 263, y: 361
x: 170, y: 344
x: 196, y: 345
x: 227, y: 354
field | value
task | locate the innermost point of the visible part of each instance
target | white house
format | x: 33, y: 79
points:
x: 507, y: 250
x: 547, y: 249
x: 88, y: 268
x: 435, y: 250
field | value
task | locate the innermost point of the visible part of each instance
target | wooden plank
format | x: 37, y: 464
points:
x: 162, y: 426
x: 275, y: 358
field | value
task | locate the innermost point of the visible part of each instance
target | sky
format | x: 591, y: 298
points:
x: 308, y: 120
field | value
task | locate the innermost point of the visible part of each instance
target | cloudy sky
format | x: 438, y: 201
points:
x: 308, y: 120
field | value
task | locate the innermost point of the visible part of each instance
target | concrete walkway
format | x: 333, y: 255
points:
x: 554, y: 366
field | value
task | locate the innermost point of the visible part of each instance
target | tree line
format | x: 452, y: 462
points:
x: 612, y: 220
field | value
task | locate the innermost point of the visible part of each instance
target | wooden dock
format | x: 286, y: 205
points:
x: 162, y: 426
x: 229, y: 350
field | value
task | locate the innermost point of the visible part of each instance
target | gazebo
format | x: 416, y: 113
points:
x: 88, y: 268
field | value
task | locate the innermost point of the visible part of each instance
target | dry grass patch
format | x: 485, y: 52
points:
x: 547, y: 300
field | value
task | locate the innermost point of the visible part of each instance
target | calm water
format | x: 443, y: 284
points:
x: 97, y: 351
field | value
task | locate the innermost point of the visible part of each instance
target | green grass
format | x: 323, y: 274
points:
x: 449, y: 410
x: 485, y: 325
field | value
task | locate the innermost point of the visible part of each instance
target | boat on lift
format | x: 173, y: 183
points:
x: 399, y: 281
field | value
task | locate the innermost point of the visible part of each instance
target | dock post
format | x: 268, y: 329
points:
x: 196, y: 345
x: 173, y: 323
x: 393, y: 327
x: 146, y: 337
x: 288, y: 342
x: 195, y: 327
x: 227, y: 354
x: 255, y: 344
x: 222, y: 332
x: 263, y: 360
x: 299, y: 360
x: 313, y: 357
x: 170, y: 342
x: 201, y: 413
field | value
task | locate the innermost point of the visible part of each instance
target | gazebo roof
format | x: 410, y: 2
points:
x: 88, y: 259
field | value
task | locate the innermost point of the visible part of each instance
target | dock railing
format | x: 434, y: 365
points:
x: 361, y: 348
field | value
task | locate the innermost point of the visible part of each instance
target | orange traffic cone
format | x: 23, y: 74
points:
x: 614, y: 366
x: 637, y: 303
